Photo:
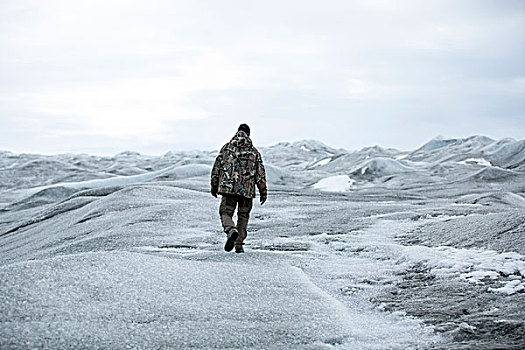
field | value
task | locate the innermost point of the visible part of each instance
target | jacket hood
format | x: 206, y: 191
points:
x: 241, y: 139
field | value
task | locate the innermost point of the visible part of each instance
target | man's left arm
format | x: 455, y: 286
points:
x: 214, y: 181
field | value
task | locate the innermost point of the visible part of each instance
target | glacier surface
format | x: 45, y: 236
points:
x: 369, y: 249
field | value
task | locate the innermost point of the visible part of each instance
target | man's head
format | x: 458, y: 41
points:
x: 245, y: 128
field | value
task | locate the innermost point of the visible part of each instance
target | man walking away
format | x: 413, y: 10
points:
x: 237, y: 170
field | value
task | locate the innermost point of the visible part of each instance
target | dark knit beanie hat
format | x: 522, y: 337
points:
x: 245, y: 128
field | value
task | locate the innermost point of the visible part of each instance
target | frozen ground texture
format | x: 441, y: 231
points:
x: 371, y: 249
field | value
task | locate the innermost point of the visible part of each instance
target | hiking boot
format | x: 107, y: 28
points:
x: 230, y: 241
x: 239, y: 249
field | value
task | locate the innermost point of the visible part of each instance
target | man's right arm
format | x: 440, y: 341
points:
x: 260, y: 178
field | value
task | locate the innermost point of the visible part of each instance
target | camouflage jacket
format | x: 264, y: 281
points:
x: 239, y: 168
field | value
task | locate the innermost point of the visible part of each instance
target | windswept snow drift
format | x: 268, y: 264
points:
x: 169, y: 172
x: 59, y: 191
x: 338, y: 183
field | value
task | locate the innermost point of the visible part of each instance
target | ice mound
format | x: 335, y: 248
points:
x: 465, y: 145
x: 496, y: 146
x: 119, y: 169
x: 60, y: 191
x: 338, y: 183
x: 513, y: 199
x: 127, y: 154
x: 508, y: 198
x: 297, y: 155
x: 380, y: 167
x: 32, y: 170
x: 510, y: 155
x: 437, y: 143
x: 505, y: 153
x: 343, y: 162
x: 171, y: 172
x: 277, y: 175
x: 501, y: 231
x: 378, y: 151
x: 133, y: 300
x: 46, y: 196
x: 185, y: 171
x: 492, y: 174
x: 313, y: 145
x: 439, y: 150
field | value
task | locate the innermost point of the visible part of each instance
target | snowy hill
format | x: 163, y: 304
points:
x: 436, y: 148
x: 380, y: 166
x: 126, y: 251
x: 505, y: 153
x: 298, y: 155
x: 296, y: 165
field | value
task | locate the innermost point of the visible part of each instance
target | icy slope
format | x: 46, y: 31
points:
x: 380, y: 167
x: 121, y: 299
x: 58, y: 191
x: 298, y: 155
x: 349, y: 160
x: 505, y: 153
x: 337, y: 183
x: 290, y: 164
x: 31, y: 170
x: 143, y: 265
x: 423, y: 250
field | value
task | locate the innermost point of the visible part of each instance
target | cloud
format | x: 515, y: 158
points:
x: 347, y: 72
x: 140, y: 107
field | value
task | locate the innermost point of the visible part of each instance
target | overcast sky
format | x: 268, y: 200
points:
x: 152, y: 76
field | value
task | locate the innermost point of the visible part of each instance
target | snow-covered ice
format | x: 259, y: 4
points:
x: 337, y: 183
x: 120, y: 299
x: 474, y: 265
x: 368, y: 249
x: 478, y: 161
x: 322, y: 162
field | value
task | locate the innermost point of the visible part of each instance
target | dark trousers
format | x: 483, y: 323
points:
x: 228, y: 205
